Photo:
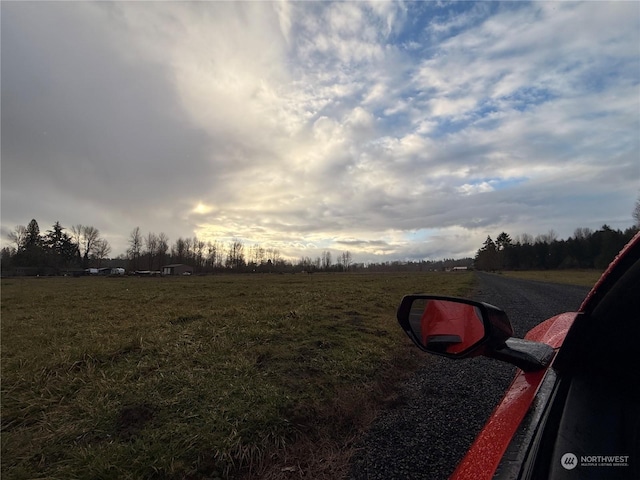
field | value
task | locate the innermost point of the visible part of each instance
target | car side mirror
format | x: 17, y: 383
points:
x: 453, y: 327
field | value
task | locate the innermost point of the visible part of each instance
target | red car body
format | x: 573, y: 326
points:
x: 576, y: 394
x: 487, y: 451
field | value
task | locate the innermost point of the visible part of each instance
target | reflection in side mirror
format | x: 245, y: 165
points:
x: 444, y: 326
x: 453, y: 327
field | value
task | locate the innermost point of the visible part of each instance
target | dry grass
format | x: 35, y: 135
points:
x: 585, y: 278
x: 269, y: 376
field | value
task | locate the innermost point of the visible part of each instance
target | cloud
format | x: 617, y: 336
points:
x: 312, y: 126
x: 87, y: 127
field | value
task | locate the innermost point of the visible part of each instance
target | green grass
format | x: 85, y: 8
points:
x: 585, y: 278
x: 199, y: 377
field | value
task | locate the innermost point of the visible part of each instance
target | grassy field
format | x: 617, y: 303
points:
x: 265, y: 376
x: 585, y: 278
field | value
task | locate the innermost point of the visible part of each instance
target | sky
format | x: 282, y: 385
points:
x: 392, y: 130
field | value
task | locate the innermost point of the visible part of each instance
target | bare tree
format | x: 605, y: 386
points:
x: 151, y: 246
x: 548, y: 238
x: 135, y: 248
x: 90, y: 236
x: 273, y: 254
x: 85, y: 237
x: 326, y: 260
x: 214, y: 255
x: 256, y: 255
x: 76, y: 236
x: 198, y: 248
x: 235, y: 255
x: 526, y: 239
x: 163, y: 248
x: 179, y: 250
x: 581, y: 233
x: 188, y: 250
x: 346, y: 260
x: 100, y: 250
x: 636, y: 213
x: 19, y: 236
x: 305, y: 264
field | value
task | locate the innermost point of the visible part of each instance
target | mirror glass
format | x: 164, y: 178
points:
x: 446, y: 326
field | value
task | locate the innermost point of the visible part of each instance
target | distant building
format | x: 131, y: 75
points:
x: 177, y: 269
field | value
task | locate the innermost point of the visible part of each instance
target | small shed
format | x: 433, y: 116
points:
x: 177, y: 269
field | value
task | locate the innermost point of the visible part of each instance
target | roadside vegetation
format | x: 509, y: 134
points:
x: 584, y: 278
x: 586, y: 249
x: 263, y: 376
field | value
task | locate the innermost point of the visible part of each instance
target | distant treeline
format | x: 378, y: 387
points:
x: 586, y: 249
x: 62, y: 251
x: 59, y: 251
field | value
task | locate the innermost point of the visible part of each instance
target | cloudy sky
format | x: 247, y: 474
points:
x: 401, y: 130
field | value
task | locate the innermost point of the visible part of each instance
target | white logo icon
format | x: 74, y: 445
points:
x: 569, y: 461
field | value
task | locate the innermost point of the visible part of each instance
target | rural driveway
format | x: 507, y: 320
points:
x: 446, y: 404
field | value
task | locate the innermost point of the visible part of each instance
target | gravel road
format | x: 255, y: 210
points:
x: 447, y: 402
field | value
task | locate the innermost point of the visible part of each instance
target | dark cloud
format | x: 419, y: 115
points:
x: 84, y: 123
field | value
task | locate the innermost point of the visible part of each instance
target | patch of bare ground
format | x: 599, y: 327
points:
x: 328, y: 433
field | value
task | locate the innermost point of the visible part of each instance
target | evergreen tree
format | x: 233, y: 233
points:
x: 61, y: 251
x: 33, y: 235
x: 503, y: 241
x: 504, y: 247
x: 487, y: 256
x: 31, y: 253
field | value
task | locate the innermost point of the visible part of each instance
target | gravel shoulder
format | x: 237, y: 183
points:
x: 446, y: 403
